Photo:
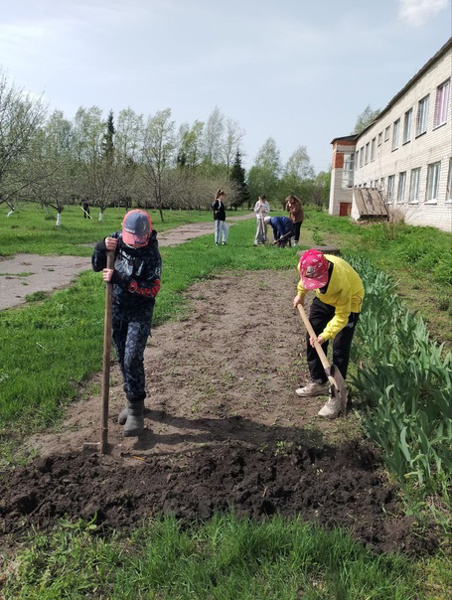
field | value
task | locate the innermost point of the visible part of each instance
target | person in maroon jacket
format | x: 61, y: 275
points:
x: 136, y: 282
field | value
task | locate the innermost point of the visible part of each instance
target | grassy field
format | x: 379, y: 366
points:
x: 50, y: 347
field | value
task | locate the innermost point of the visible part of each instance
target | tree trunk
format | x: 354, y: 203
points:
x: 101, y: 214
x: 58, y: 221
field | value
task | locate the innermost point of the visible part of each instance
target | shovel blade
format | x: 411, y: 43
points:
x: 339, y: 388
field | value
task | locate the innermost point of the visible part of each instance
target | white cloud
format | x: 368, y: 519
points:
x: 418, y: 12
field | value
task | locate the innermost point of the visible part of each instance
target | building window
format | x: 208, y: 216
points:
x: 433, y: 182
x: 449, y: 183
x: 367, y: 153
x: 407, y: 126
x: 401, y: 187
x: 395, y: 134
x: 422, y: 114
x: 380, y: 138
x: 414, y: 185
x: 347, y: 174
x: 387, y: 132
x: 441, y: 104
x: 361, y: 157
x: 372, y: 149
x: 382, y: 184
x: 390, y: 194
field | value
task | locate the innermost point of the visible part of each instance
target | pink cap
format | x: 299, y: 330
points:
x: 313, y: 269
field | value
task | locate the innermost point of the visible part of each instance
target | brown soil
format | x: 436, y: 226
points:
x: 224, y: 429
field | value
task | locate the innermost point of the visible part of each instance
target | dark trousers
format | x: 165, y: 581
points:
x: 130, y: 331
x: 297, y: 227
x: 319, y: 316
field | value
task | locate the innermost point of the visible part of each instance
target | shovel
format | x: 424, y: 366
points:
x: 106, y: 357
x: 102, y: 446
x: 338, y: 387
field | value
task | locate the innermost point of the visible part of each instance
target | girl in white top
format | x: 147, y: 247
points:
x: 261, y: 209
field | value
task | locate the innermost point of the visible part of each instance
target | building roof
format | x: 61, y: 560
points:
x: 369, y: 203
x: 447, y: 46
x: 345, y: 138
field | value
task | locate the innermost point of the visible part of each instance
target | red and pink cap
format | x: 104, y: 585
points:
x: 136, y: 228
x: 313, y: 269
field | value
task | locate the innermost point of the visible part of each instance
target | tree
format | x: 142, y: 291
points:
x: 52, y: 169
x: 297, y: 170
x: 100, y: 174
x: 213, y: 137
x: 158, y: 156
x: 367, y: 117
x: 20, y: 120
x: 237, y: 177
x: 263, y: 177
x: 233, y: 137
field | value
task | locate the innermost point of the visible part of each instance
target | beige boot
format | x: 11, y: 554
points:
x: 331, y: 409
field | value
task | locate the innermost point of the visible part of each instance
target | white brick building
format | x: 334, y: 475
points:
x: 406, y: 153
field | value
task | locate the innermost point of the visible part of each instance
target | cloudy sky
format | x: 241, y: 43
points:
x: 300, y: 71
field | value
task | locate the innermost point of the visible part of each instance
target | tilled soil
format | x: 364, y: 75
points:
x: 224, y: 430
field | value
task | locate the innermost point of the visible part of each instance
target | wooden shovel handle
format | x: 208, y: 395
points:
x: 318, y: 347
x: 106, y: 357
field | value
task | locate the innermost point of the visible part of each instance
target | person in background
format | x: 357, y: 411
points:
x: 219, y: 216
x: 334, y: 313
x: 136, y: 283
x: 283, y: 230
x: 261, y: 209
x: 296, y: 214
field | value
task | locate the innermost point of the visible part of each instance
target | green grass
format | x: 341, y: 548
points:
x: 51, y: 346
x: 31, y: 230
x: 226, y: 558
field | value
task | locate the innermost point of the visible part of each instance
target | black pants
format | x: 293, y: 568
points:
x: 130, y: 333
x: 319, y: 316
x: 297, y: 227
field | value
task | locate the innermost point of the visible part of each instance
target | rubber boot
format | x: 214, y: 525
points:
x: 134, y: 424
x: 122, y: 417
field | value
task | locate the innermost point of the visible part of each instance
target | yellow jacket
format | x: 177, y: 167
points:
x: 345, y: 292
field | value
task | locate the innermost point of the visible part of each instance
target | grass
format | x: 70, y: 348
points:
x: 31, y: 230
x: 51, y: 346
x: 226, y: 558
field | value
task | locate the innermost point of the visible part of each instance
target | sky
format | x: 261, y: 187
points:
x: 299, y: 71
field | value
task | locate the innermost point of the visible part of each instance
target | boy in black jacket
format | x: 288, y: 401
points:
x: 136, y: 282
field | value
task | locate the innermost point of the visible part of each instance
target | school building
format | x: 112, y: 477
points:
x: 402, y: 162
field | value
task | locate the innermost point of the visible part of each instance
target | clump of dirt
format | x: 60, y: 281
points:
x: 224, y: 429
x: 332, y: 487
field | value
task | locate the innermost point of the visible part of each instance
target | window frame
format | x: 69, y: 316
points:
x: 415, y: 178
x: 422, y: 115
x: 390, y: 190
x: 395, y: 134
x: 401, y: 186
x: 435, y: 170
x: 449, y: 183
x: 407, y: 126
x: 441, y: 104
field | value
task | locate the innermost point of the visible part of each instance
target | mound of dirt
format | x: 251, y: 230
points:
x: 224, y: 429
x: 331, y: 487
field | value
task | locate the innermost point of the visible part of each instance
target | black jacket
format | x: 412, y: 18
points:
x: 219, y: 211
x: 136, y: 278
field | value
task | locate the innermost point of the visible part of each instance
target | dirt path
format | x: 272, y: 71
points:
x: 224, y: 429
x: 25, y: 274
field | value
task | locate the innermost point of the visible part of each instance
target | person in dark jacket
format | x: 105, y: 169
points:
x: 136, y: 282
x: 283, y: 229
x: 219, y: 216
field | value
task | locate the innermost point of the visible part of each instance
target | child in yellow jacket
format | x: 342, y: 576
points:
x: 334, y: 313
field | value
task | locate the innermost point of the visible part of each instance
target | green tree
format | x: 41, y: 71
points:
x: 367, y: 117
x: 263, y: 177
x: 237, y: 177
